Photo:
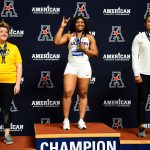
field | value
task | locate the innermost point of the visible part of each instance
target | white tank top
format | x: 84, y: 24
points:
x: 76, y: 55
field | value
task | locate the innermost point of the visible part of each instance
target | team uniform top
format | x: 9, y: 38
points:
x: 75, y: 55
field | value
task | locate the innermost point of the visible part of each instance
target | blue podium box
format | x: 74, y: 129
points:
x: 97, y: 136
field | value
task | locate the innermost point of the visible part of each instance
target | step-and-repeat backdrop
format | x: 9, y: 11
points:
x: 112, y: 97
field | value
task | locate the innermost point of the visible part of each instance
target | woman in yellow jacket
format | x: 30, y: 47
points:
x: 10, y: 77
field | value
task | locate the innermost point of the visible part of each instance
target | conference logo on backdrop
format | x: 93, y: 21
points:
x: 81, y: 10
x: 92, y: 80
x: 92, y: 33
x: 147, y: 125
x: 118, y: 11
x: 116, y: 57
x: 16, y: 33
x: 147, y: 106
x: 117, y: 103
x: 147, y: 10
x: 46, y: 10
x: 116, y: 80
x: 45, y: 80
x: 117, y: 123
x: 45, y: 33
x: 46, y: 103
x: 76, y: 107
x: 116, y: 35
x: 13, y: 107
x: 13, y: 127
x: 22, y: 80
x: 46, y: 57
x: 45, y: 120
x: 8, y: 9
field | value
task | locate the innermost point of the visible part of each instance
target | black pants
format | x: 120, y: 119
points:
x: 143, y: 91
x: 6, y: 95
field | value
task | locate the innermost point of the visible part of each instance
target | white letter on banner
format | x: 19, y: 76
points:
x: 64, y: 146
x: 101, y: 145
x: 42, y: 145
x: 53, y: 147
x: 77, y: 147
x: 93, y: 145
x: 86, y: 145
x: 111, y: 146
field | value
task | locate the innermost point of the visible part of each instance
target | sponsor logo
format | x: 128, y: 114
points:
x: 117, y: 103
x: 116, y: 57
x: 47, y: 103
x: 46, y: 57
x: 119, y: 11
x: 16, y: 33
x: 45, y: 10
x: 13, y: 127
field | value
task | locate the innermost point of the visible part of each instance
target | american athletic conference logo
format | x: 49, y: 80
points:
x: 147, y: 106
x: 116, y: 35
x: 13, y: 127
x: 76, y: 107
x: 117, y: 123
x: 45, y: 120
x: 45, y: 80
x: 45, y: 33
x: 147, y: 11
x: 13, y: 107
x: 8, y: 9
x: 81, y: 10
x: 116, y: 80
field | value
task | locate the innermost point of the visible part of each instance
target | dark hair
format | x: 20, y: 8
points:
x: 73, y: 28
x: 5, y: 25
x: 148, y: 15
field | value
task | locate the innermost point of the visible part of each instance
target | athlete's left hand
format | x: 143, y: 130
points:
x: 82, y: 47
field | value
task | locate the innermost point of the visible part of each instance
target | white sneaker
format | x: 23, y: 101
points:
x: 66, y: 124
x: 81, y: 124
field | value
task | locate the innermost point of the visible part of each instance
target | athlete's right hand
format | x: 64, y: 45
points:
x: 138, y: 79
x: 64, y: 22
